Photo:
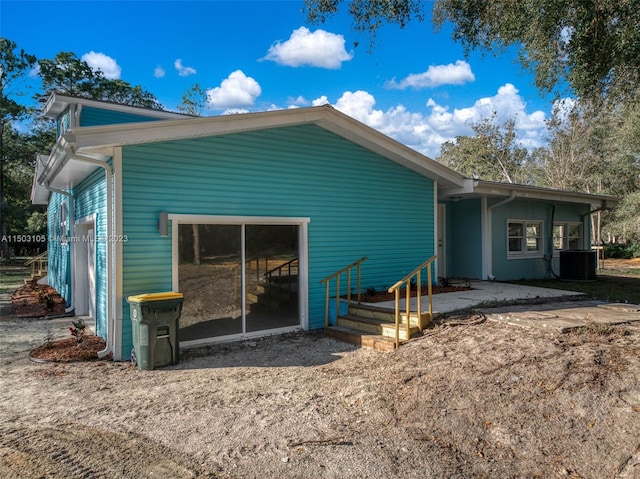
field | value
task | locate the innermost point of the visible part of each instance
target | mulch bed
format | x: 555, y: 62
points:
x: 68, y: 351
x: 35, y: 300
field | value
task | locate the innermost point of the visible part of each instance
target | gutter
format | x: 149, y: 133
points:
x: 488, y: 233
x: 72, y: 257
x: 111, y: 323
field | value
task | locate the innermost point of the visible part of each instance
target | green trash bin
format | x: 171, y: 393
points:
x: 154, y: 320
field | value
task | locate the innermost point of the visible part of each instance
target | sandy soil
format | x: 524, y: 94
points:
x: 471, y: 398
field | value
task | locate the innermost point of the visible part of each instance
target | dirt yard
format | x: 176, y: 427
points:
x: 470, y: 399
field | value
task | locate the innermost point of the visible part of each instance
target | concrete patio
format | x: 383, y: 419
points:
x: 482, y: 293
x: 561, y: 316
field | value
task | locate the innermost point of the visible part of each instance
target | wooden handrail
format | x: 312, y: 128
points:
x: 336, y: 275
x: 35, y: 258
x: 407, y: 281
x: 37, y: 261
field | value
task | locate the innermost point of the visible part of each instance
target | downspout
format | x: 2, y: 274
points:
x: 111, y: 324
x: 71, y: 244
x: 489, y: 233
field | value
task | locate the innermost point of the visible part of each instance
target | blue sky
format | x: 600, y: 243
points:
x: 414, y: 85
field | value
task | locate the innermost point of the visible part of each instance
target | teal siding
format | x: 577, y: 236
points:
x: 464, y: 239
x: 359, y: 203
x: 97, y: 116
x: 530, y: 268
x: 91, y: 199
x: 59, y: 272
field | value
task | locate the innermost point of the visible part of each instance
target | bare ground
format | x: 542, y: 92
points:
x: 471, y: 398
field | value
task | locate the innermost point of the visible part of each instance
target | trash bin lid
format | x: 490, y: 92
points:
x: 143, y: 298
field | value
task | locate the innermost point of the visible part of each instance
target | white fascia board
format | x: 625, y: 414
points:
x: 548, y: 194
x: 39, y: 194
x: 58, y: 103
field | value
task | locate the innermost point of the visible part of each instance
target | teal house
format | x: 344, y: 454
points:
x: 246, y: 214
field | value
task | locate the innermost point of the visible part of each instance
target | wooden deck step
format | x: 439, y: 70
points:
x: 361, y: 338
x: 375, y: 326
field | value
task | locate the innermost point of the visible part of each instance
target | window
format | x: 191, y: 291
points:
x: 524, y: 238
x: 567, y: 236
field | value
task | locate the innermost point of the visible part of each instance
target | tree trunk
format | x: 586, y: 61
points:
x: 196, y: 244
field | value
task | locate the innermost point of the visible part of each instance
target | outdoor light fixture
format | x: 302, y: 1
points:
x: 163, y: 223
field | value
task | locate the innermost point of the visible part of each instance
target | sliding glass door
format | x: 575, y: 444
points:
x: 237, y: 279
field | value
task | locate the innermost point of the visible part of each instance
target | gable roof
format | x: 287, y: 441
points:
x: 63, y: 171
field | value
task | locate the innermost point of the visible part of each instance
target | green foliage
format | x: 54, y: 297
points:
x: 18, y: 157
x: 37, y: 223
x: 68, y: 74
x: 493, y: 154
x: 194, y: 101
x: 626, y: 218
x: 78, y: 330
x: 622, y: 250
x: 14, y: 64
x: 368, y: 15
x: 594, y: 46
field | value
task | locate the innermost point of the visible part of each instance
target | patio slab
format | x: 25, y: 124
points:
x: 482, y: 293
x: 561, y: 316
x: 565, y: 316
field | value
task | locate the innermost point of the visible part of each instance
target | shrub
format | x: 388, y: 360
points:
x: 622, y: 250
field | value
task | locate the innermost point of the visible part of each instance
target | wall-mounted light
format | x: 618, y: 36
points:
x: 163, y: 223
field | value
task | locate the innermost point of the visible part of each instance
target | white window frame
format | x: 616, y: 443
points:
x: 303, y: 271
x: 565, y: 238
x: 523, y: 252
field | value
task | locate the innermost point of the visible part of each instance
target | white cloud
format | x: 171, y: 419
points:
x: 104, y: 63
x: 323, y: 100
x: 425, y: 132
x: 296, y: 102
x: 182, y: 70
x: 436, y: 75
x: 159, y: 72
x: 318, y: 49
x: 235, y: 92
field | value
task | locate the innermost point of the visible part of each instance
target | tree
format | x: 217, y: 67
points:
x: 492, y: 154
x: 194, y: 101
x: 20, y: 155
x: 68, y: 74
x: 593, y: 46
x: 569, y: 161
x: 368, y: 16
x: 14, y: 64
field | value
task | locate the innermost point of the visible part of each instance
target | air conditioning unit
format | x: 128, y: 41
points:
x: 578, y: 265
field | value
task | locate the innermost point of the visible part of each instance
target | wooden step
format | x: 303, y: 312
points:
x: 360, y: 338
x: 386, y: 314
x: 376, y: 326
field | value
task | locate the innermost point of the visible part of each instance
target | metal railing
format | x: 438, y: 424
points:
x: 407, y: 283
x: 337, y: 275
x: 38, y: 263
